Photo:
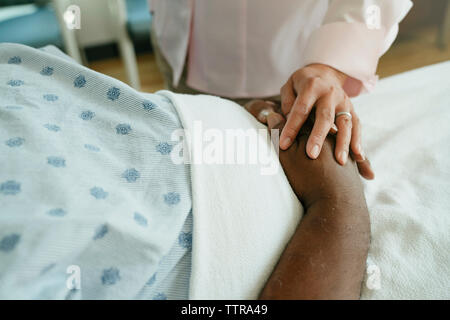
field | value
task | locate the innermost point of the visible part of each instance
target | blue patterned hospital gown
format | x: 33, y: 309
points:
x: 91, y: 205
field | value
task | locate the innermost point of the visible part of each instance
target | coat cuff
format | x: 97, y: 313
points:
x: 351, y: 48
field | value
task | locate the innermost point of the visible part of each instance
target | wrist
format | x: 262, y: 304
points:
x: 339, y: 76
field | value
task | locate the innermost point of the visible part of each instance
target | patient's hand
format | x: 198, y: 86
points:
x: 269, y: 113
x: 323, y: 178
x: 325, y: 259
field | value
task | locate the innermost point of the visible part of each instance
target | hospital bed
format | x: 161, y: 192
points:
x: 237, y: 235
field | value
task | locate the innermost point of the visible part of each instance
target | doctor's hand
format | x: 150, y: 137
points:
x: 321, y: 87
x: 269, y: 113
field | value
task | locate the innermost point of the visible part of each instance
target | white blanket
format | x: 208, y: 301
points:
x: 243, y: 220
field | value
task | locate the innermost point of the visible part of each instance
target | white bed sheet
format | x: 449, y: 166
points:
x: 406, y: 125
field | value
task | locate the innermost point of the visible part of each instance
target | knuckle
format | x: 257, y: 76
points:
x: 297, y: 75
x: 287, y: 101
x: 333, y: 91
x: 257, y: 104
x: 338, y: 94
x: 252, y: 106
x: 326, y: 114
x: 312, y: 83
x: 300, y: 110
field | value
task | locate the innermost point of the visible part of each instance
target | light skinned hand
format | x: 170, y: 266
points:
x: 318, y: 88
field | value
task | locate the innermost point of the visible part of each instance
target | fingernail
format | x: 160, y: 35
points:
x: 286, y: 142
x: 273, y: 121
x: 315, y: 151
x: 363, y: 157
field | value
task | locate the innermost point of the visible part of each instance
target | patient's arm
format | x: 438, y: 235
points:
x: 325, y: 259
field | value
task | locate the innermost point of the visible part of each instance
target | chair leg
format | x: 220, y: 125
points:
x: 118, y: 11
x: 129, y: 57
x: 444, y: 28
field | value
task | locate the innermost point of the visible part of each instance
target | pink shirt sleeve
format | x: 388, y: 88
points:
x: 353, y: 36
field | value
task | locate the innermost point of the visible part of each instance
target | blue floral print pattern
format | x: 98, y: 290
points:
x: 79, y: 81
x: 87, y: 115
x: 15, y: 83
x: 15, y: 60
x: 160, y: 296
x: 15, y: 142
x: 101, y: 231
x: 57, y: 162
x: 164, y: 148
x: 131, y: 175
x: 152, y: 280
x: 172, y: 198
x: 140, y: 219
x: 47, y: 71
x: 9, y: 242
x: 123, y: 129
x: 50, y: 97
x: 57, y: 212
x: 110, y: 276
x: 148, y: 105
x: 185, y: 240
x: 98, y: 193
x: 52, y: 127
x: 113, y: 93
x: 92, y: 147
x: 10, y: 187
